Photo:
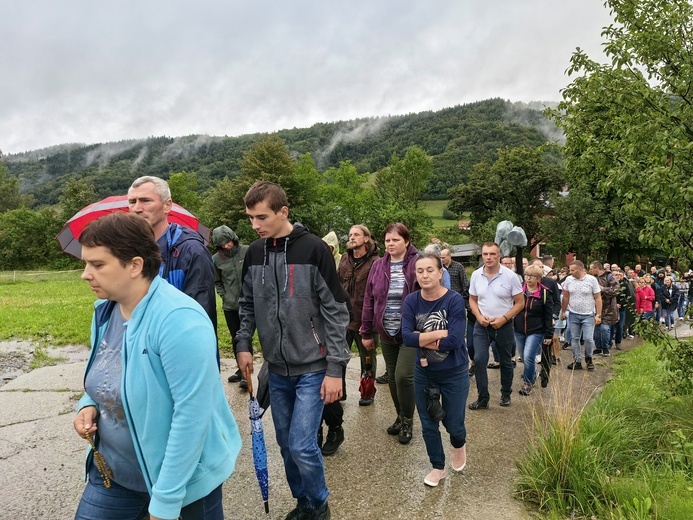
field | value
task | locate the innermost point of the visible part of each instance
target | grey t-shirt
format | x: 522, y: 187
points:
x: 103, y: 384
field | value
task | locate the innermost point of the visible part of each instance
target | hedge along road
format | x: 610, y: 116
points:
x: 371, y: 476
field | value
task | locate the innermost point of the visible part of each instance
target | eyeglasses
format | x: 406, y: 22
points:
x: 532, y: 276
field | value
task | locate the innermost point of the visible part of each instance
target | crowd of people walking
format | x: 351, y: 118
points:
x: 154, y: 344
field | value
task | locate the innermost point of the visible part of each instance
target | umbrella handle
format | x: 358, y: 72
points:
x: 249, y: 380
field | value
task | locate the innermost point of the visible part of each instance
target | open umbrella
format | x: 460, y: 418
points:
x: 71, y: 231
x: 367, y: 384
x: 255, y: 412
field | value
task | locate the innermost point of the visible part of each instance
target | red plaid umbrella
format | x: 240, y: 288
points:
x: 69, y: 235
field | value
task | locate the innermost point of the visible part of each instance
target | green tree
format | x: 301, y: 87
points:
x: 404, y: 180
x: 27, y: 239
x: 76, y: 195
x: 397, y: 190
x: 517, y: 187
x: 628, y: 122
x: 9, y: 187
x: 346, y: 199
x: 184, y: 190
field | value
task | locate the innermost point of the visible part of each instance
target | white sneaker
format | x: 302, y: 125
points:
x: 434, y: 477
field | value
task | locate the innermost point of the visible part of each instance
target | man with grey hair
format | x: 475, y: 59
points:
x: 186, y: 263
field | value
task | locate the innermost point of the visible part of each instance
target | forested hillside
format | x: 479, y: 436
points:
x: 456, y: 138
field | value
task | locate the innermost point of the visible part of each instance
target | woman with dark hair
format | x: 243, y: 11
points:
x: 154, y: 406
x: 391, y: 279
x: 433, y: 323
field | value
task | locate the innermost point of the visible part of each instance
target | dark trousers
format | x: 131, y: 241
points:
x: 504, y: 338
x: 233, y: 322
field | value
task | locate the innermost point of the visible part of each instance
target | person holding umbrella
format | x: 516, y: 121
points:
x: 292, y: 295
x: 154, y: 404
x: 434, y: 323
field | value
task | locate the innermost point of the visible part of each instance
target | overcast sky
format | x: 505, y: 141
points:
x: 98, y: 71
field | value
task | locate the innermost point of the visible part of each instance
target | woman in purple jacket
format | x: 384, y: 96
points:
x: 391, y: 279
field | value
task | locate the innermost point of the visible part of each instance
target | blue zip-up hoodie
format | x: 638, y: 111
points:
x: 184, y: 434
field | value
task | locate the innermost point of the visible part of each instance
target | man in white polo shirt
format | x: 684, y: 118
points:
x: 581, y: 296
x: 495, y: 298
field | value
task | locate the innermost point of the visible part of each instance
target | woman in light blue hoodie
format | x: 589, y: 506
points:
x: 154, y: 405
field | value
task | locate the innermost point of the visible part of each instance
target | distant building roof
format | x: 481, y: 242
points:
x: 465, y: 250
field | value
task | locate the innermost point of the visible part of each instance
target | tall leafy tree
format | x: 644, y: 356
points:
x: 629, y: 122
x: 9, y: 188
x: 184, y: 190
x: 76, y: 195
x: 518, y: 186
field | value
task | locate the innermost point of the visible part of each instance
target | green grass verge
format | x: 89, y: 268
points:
x: 47, y: 308
x: 628, y: 454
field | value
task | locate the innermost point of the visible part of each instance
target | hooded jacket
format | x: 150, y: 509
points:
x: 354, y: 277
x: 228, y: 267
x: 184, y: 434
x: 375, y: 297
x: 333, y: 242
x: 187, y: 265
x: 292, y: 295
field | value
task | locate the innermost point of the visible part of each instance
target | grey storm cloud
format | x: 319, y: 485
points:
x: 82, y: 71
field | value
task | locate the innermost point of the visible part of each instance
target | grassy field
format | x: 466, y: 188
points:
x: 628, y: 454
x: 435, y: 209
x: 55, y: 308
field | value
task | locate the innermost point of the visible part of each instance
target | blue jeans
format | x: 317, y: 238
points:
x: 669, y: 316
x: 119, y: 503
x: 297, y: 414
x: 529, y: 348
x: 683, y: 304
x: 581, y: 325
x: 454, y: 389
x: 602, y: 337
x: 620, y: 326
x: 504, y: 338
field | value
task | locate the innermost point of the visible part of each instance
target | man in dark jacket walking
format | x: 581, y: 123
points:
x: 353, y: 270
x: 610, y: 316
x: 186, y: 262
x: 292, y: 295
x: 228, y: 266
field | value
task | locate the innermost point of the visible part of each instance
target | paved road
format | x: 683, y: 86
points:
x: 371, y: 476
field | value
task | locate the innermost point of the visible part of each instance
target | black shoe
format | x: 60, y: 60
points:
x: 597, y: 351
x: 320, y: 438
x: 514, y: 363
x: 472, y: 370
x: 365, y: 402
x: 382, y: 380
x: 544, y: 377
x: 553, y: 359
x: 525, y: 390
x: 396, y: 427
x: 243, y: 384
x: 588, y: 362
x: 235, y: 378
x: 299, y: 513
x: 575, y: 365
x: 335, y: 438
x: 505, y: 400
x: 321, y: 514
x: 406, y: 432
x: 479, y: 404
x: 566, y: 346
x: 606, y: 353
x: 493, y: 365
